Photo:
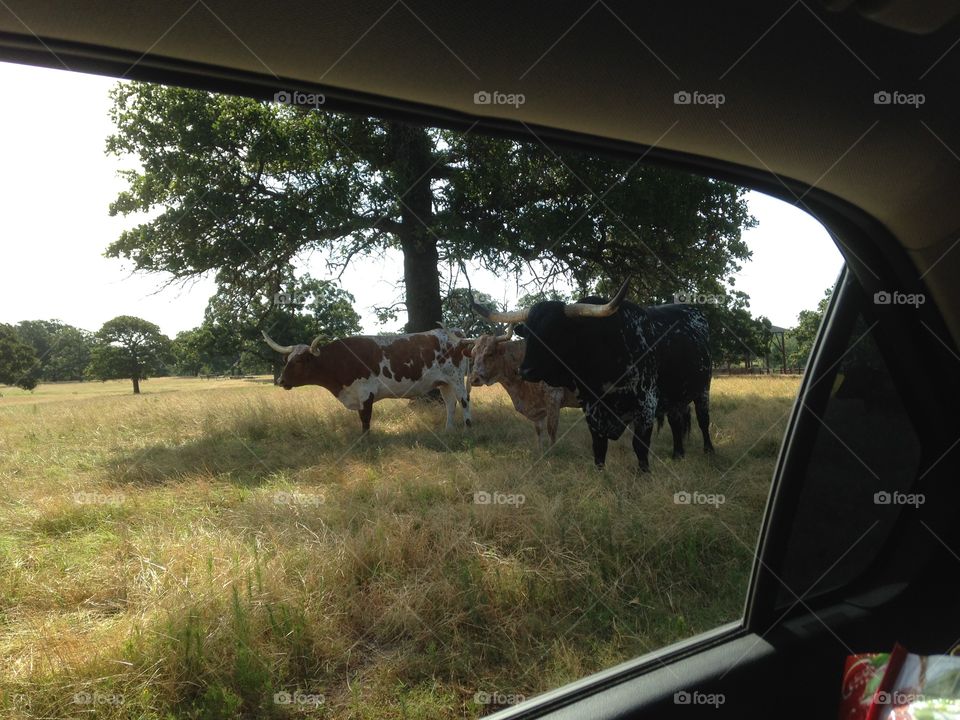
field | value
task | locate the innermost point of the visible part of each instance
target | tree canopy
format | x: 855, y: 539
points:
x: 242, y: 188
x: 594, y: 220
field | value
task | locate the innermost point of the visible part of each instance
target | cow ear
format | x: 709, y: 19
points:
x: 520, y: 329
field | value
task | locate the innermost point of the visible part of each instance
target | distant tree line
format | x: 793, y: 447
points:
x: 741, y: 340
x: 228, y: 341
x: 35, y: 351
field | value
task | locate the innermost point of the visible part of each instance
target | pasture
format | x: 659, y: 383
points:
x: 220, y: 549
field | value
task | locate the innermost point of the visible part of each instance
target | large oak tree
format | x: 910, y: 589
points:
x: 242, y: 188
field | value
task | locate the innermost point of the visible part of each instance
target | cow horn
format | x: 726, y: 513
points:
x: 316, y: 342
x: 505, y: 338
x: 574, y: 310
x: 512, y: 317
x: 282, y: 349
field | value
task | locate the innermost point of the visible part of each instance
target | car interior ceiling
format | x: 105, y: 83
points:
x: 791, y: 73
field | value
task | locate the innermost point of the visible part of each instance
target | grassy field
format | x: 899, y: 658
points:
x: 215, y: 549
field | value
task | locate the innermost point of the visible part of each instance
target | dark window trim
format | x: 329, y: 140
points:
x: 801, y: 434
x: 585, y: 687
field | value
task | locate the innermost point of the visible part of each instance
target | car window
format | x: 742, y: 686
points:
x: 860, y: 473
x: 336, y: 414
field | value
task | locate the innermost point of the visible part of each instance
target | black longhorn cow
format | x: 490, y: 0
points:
x: 628, y: 364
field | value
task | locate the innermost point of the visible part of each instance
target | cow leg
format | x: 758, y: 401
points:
x: 463, y: 392
x: 599, y: 449
x: 679, y: 423
x: 538, y: 426
x: 450, y: 399
x: 702, y: 406
x: 553, y: 422
x: 642, y: 433
x: 365, y: 414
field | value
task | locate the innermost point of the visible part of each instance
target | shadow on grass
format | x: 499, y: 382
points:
x: 251, y: 447
x: 249, y: 451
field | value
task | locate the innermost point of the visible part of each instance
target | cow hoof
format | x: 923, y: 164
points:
x: 599, y: 467
x: 644, y: 469
x: 678, y: 456
x: 468, y: 423
x: 708, y: 450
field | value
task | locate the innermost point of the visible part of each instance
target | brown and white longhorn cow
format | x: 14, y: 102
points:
x: 497, y: 360
x: 361, y: 370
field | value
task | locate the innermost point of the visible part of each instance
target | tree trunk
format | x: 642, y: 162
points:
x: 412, y: 163
x: 422, y: 284
x: 136, y: 385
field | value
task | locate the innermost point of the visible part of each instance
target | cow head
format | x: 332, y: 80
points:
x: 300, y: 362
x: 551, y: 344
x: 489, y: 359
x: 557, y: 334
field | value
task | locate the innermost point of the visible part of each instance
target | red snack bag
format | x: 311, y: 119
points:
x: 862, y: 676
x: 901, y: 686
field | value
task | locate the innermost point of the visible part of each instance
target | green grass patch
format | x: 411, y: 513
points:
x: 223, y: 549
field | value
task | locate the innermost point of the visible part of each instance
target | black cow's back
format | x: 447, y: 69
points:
x: 680, y: 340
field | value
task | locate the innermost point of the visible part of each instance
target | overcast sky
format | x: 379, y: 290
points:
x: 57, y: 183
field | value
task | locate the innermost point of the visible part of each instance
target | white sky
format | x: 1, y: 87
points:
x: 56, y: 184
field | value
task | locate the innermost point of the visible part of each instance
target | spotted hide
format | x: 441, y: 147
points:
x: 629, y: 365
x: 498, y: 361
x: 358, y: 371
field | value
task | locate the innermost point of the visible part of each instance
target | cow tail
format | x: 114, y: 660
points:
x: 660, y: 417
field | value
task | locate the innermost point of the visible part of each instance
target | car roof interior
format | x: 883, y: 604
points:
x: 799, y: 121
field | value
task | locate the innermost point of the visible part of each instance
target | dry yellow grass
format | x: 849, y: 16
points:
x: 210, y: 545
